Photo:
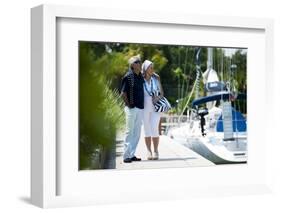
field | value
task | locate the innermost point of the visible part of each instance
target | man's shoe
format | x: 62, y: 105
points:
x: 135, y: 159
x: 127, y: 160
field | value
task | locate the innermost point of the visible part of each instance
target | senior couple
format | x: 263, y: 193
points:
x: 139, y: 86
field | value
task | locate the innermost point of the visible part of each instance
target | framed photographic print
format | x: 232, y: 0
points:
x: 120, y: 98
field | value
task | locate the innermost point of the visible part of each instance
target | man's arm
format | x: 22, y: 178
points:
x: 124, y: 91
x: 125, y: 98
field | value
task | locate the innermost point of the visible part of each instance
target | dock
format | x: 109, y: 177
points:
x: 171, y: 155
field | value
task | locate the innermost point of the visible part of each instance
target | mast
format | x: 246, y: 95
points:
x: 197, y: 80
x: 210, y: 58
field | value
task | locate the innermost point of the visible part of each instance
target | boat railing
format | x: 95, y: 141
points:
x: 170, y: 121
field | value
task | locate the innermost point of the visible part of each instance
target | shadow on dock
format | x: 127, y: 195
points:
x: 171, y: 155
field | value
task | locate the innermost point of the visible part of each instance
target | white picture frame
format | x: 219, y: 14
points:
x: 44, y: 149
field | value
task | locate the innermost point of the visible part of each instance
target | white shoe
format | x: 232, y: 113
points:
x: 155, y: 156
x: 149, y: 155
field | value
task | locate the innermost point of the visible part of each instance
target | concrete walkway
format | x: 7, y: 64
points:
x: 171, y: 155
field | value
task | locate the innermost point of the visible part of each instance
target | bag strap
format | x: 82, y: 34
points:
x: 159, y: 86
x: 151, y: 88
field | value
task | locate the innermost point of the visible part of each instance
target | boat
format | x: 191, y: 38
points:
x: 215, y: 129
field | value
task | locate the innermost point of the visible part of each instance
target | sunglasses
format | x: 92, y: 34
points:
x: 137, y: 62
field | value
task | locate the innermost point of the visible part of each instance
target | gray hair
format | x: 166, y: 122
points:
x: 133, y: 59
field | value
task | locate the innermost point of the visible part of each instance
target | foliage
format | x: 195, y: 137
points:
x: 100, y: 110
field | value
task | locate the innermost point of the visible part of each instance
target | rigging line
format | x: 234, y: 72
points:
x: 179, y: 95
x: 189, y: 98
x: 184, y: 71
x: 195, y: 85
x: 221, y: 70
x: 222, y: 56
x: 236, y: 91
x: 198, y: 70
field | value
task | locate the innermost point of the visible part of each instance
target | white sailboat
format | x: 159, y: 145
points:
x: 217, y: 131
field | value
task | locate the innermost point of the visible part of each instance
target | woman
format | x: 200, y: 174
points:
x: 152, y: 91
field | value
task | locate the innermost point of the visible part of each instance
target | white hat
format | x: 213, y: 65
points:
x: 145, y: 65
x: 133, y: 59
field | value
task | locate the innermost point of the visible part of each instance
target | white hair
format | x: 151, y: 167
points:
x: 145, y: 65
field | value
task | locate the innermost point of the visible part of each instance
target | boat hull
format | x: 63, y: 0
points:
x: 212, y: 146
x: 210, y: 152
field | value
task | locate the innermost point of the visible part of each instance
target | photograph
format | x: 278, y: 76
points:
x: 151, y: 106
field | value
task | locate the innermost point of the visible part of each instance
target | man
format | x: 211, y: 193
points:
x: 133, y: 96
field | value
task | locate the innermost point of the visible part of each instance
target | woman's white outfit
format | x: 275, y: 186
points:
x: 150, y: 117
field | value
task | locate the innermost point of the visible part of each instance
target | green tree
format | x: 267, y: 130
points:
x: 100, y: 110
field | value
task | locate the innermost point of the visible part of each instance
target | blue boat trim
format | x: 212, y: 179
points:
x: 217, y: 86
x: 218, y: 96
x: 238, y: 122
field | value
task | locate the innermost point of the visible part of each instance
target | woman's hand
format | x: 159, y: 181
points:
x: 155, y: 99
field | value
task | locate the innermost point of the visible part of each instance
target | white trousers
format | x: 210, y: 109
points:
x: 133, y: 130
x: 150, y: 119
